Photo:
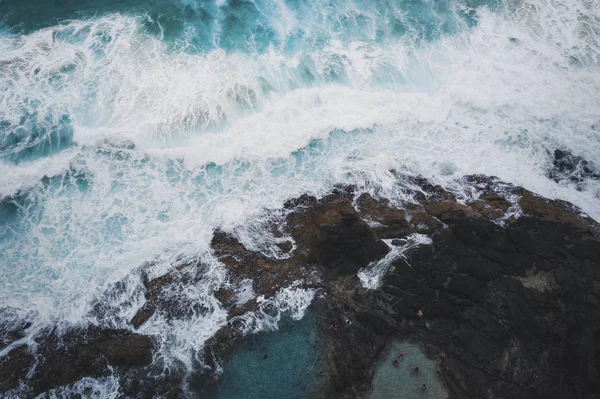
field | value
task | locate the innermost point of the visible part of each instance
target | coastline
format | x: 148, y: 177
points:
x: 508, y: 287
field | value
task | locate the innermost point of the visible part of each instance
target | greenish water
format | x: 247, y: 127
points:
x: 290, y: 371
x: 402, y: 382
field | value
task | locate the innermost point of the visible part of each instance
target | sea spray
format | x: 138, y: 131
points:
x: 372, y: 274
x: 292, y: 301
x: 129, y: 134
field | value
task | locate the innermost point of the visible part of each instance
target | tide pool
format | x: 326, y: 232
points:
x: 290, y: 370
x: 402, y: 381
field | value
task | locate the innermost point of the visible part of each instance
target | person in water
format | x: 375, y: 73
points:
x: 401, y: 355
x: 415, y: 370
x: 266, y: 355
x: 423, y: 387
x: 396, y: 363
x: 320, y: 373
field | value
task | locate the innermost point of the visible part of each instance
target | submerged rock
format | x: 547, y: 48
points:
x: 570, y: 168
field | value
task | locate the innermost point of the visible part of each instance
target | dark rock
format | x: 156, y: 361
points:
x: 510, y: 310
x: 285, y: 246
x: 143, y: 315
x: 507, y: 307
x: 492, y: 206
x: 14, y: 368
x: 390, y: 222
x: 12, y: 328
x: 511, y: 307
x: 67, y: 358
x: 570, y: 168
x: 162, y: 295
x: 225, y: 296
x: 557, y: 211
x: 267, y: 274
x: 448, y: 211
x: 332, y: 235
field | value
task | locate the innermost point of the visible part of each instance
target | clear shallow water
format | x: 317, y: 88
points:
x: 290, y: 371
x: 130, y: 130
x: 401, y: 381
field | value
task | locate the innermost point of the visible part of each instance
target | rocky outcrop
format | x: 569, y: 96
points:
x: 570, y: 168
x: 331, y: 234
x: 510, y: 305
x: 509, y: 288
x: 66, y: 358
x: 509, y: 291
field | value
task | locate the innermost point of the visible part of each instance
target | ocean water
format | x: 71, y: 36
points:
x: 129, y: 130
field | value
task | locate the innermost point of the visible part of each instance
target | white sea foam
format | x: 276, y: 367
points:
x: 93, y: 388
x: 292, y: 301
x: 171, y: 144
x: 371, y: 275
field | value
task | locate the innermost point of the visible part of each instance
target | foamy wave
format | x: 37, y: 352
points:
x: 292, y: 301
x: 371, y: 275
x: 96, y: 388
x: 169, y: 143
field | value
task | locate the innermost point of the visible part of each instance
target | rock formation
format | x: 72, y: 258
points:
x: 509, y: 291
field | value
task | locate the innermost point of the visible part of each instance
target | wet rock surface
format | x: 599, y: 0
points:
x: 572, y: 169
x: 66, y: 358
x: 509, y: 292
x: 508, y: 289
x: 509, y: 305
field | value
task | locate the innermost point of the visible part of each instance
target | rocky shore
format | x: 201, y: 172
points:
x: 508, y: 288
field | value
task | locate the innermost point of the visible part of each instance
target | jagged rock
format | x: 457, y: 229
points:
x: 492, y: 206
x: 506, y: 306
x: 78, y: 353
x: 448, y: 211
x: 267, y: 274
x: 225, y: 296
x: 13, y: 328
x: 14, y: 367
x: 332, y: 235
x: 511, y: 308
x: 557, y: 211
x: 509, y: 311
x: 571, y: 168
x: 285, y: 246
x: 142, y: 315
x: 387, y: 222
x: 160, y: 295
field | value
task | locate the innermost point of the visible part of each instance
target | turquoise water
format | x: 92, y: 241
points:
x: 290, y: 371
x: 130, y: 130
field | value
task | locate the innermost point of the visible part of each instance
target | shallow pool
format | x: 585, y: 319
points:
x: 402, y: 382
x: 290, y: 371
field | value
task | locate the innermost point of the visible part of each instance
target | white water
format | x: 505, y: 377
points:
x: 292, y: 301
x: 221, y: 135
x: 371, y: 275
